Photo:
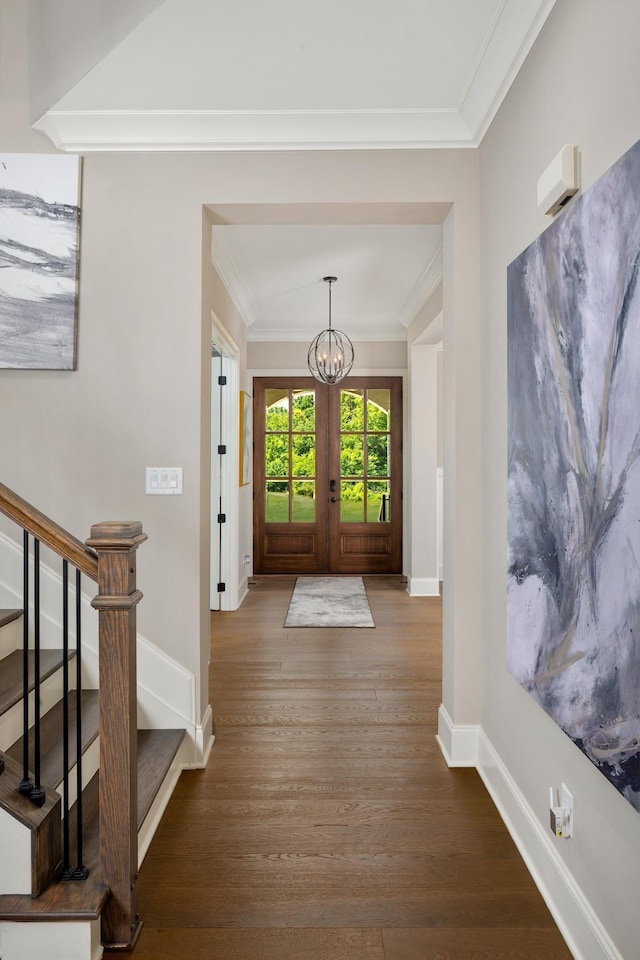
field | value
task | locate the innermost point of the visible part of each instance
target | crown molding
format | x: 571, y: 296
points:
x: 84, y: 131
x: 426, y: 283
x: 231, y: 277
x: 514, y: 31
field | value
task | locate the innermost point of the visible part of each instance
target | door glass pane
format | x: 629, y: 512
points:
x: 378, y: 409
x: 352, y: 409
x: 303, y: 455
x: 352, y: 455
x: 351, y: 501
x: 276, y: 410
x: 276, y: 455
x: 303, y: 411
x: 378, y: 455
x: 378, y: 502
x: 290, y: 452
x: 277, y: 501
x: 303, y: 505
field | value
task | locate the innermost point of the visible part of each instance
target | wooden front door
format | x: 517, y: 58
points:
x: 328, y: 475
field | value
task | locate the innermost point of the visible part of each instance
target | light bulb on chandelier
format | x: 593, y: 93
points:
x: 331, y: 354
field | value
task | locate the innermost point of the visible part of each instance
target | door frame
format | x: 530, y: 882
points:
x: 225, y: 431
x: 310, y: 545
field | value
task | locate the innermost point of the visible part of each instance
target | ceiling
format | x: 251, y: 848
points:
x: 274, y: 275
x: 244, y: 74
x: 212, y: 75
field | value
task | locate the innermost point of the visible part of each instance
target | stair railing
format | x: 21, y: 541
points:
x: 109, y: 559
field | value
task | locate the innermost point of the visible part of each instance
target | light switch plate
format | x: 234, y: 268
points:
x: 164, y: 481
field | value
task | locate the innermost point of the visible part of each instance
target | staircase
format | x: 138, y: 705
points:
x: 81, y: 789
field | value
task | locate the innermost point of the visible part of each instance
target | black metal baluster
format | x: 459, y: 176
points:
x: 80, y: 872
x: 66, y: 866
x: 37, y: 794
x: 26, y: 784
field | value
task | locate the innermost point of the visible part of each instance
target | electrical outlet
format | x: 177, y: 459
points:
x: 561, y: 812
x: 566, y: 802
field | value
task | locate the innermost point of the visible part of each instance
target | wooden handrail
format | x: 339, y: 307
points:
x: 48, y: 532
x: 108, y: 558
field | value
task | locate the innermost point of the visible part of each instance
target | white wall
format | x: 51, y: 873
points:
x: 371, y: 357
x: 423, y: 449
x: 579, y: 85
x: 69, y: 37
x: 424, y: 529
x: 15, y: 132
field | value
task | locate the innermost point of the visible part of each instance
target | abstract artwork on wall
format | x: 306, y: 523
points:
x: 573, y: 593
x: 39, y: 225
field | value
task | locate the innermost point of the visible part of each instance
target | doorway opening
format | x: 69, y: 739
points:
x: 328, y: 475
x: 223, y: 592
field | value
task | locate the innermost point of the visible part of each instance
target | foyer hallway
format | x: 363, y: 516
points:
x: 327, y: 825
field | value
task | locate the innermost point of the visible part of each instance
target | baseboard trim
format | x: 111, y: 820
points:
x: 466, y: 745
x: 243, y: 591
x: 578, y: 923
x: 458, y: 742
x: 423, y: 587
x: 204, y: 739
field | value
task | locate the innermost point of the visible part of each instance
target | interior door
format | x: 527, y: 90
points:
x: 327, y: 475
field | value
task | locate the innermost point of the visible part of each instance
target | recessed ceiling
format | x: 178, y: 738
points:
x: 274, y: 275
x: 244, y: 74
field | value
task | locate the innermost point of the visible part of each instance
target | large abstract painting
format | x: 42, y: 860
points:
x: 573, y: 594
x: 39, y: 218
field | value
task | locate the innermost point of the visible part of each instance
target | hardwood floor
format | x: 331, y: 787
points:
x: 327, y: 825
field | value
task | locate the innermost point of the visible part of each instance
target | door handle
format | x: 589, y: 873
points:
x: 334, y: 499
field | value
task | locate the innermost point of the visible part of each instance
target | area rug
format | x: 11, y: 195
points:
x: 329, y: 602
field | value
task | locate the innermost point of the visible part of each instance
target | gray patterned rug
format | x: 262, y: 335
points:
x: 329, y: 602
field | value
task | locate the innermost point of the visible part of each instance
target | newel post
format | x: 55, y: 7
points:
x: 116, y: 544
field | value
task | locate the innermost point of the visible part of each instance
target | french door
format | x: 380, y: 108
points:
x: 328, y: 475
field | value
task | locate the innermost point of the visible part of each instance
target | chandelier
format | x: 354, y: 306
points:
x: 330, y: 355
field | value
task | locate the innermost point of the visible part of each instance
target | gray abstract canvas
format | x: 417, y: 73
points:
x: 573, y: 593
x: 39, y: 219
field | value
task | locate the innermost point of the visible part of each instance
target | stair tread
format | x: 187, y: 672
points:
x: 51, y: 767
x: 84, y: 900
x: 8, y: 616
x: 67, y: 900
x: 18, y: 805
x: 11, y: 674
x: 156, y: 750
